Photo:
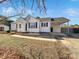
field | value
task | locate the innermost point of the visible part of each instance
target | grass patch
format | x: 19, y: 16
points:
x: 74, y: 46
x: 36, y: 49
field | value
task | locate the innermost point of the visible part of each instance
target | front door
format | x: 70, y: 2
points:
x: 51, y: 29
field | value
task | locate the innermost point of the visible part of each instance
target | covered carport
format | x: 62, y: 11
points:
x: 57, y: 24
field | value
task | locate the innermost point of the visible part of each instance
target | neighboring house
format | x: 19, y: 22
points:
x: 31, y: 24
x: 4, y: 27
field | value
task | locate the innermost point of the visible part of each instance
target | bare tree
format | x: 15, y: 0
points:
x: 41, y: 4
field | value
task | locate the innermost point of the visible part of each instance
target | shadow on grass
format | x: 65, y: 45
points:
x: 73, y: 35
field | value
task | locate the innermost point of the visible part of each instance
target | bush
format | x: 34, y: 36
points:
x: 8, y: 31
x: 76, y: 30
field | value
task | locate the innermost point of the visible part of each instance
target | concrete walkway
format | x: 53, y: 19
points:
x: 35, y: 38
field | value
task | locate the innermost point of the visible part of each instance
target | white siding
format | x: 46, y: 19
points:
x: 13, y: 26
x: 6, y: 28
x: 57, y: 28
x: 45, y: 29
x: 32, y: 20
x: 22, y: 29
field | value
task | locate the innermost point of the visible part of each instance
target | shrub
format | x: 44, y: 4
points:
x: 8, y: 31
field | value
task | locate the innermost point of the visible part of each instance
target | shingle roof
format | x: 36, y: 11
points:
x: 58, y: 20
x: 51, y: 19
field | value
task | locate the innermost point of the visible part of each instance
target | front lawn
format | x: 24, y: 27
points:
x: 74, y: 42
x: 36, y: 49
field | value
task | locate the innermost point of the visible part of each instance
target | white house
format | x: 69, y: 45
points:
x: 4, y: 27
x: 32, y: 24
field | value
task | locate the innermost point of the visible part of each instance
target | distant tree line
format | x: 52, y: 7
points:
x: 72, y: 28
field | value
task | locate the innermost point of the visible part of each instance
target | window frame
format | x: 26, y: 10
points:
x: 33, y: 25
x: 44, y: 24
x: 1, y: 28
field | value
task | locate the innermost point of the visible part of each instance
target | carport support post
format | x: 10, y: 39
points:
x: 68, y: 28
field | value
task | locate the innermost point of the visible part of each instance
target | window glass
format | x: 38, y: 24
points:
x: 19, y: 25
x: 36, y: 24
x: 41, y: 24
x: 33, y: 25
x: 44, y: 24
x: 29, y: 25
x: 47, y: 24
x: 1, y: 28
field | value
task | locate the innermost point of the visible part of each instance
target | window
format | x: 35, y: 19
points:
x: 29, y: 25
x: 1, y: 28
x: 33, y: 25
x: 36, y: 25
x: 19, y: 25
x: 44, y: 24
x: 41, y: 24
x: 26, y: 27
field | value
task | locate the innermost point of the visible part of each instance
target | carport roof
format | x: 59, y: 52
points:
x: 59, y: 20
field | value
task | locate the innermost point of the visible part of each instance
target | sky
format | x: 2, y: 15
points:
x: 55, y: 8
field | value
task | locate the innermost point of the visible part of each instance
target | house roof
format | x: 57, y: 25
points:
x: 59, y: 20
x: 3, y: 25
x: 48, y: 18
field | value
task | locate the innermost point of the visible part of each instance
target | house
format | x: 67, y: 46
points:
x: 4, y: 27
x: 32, y: 24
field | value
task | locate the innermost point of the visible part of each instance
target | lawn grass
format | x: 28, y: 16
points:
x: 34, y: 48
x: 9, y: 41
x: 74, y: 43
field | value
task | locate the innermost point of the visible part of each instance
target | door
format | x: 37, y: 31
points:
x: 51, y: 29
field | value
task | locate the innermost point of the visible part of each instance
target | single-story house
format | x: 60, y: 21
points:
x: 4, y: 27
x: 32, y: 24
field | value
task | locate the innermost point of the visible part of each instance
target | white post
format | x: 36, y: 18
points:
x: 68, y: 28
